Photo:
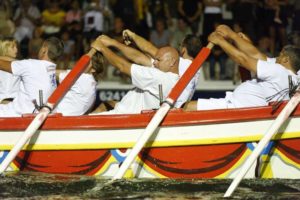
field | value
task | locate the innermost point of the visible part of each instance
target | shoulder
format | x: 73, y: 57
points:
x: 271, y: 60
x: 39, y: 63
x: 62, y: 74
x: 269, y: 69
x: 184, y: 62
x: 137, y: 66
x: 86, y: 77
x: 36, y: 61
x: 142, y: 71
x: 270, y: 65
x: 183, y: 65
x: 23, y: 62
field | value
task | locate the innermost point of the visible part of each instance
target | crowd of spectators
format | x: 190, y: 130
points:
x: 163, y: 22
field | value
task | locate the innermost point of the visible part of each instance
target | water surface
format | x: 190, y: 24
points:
x: 45, y: 186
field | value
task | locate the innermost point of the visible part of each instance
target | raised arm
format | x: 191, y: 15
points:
x: 180, y: 8
x: 241, y: 41
x: 235, y: 54
x: 132, y: 54
x: 143, y: 44
x: 115, y: 60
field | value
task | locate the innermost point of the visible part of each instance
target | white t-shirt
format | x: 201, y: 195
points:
x: 145, y: 95
x: 32, y: 11
x: 9, y: 85
x: 188, y: 92
x: 209, y: 9
x: 35, y: 75
x: 271, y: 60
x: 272, y: 80
x: 93, y: 20
x: 80, y: 97
x: 26, y: 25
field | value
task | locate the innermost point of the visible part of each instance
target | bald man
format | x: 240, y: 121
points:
x: 145, y: 95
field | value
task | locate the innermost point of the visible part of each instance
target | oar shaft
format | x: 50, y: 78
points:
x: 281, y: 118
x: 157, y: 118
x: 34, y: 125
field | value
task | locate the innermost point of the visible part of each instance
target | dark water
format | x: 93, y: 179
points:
x: 45, y: 186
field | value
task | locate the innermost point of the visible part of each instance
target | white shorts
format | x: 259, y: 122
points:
x: 212, y: 103
x: 6, y: 110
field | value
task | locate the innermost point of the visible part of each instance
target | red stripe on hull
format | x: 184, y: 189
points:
x: 206, y: 161
x: 84, y: 162
x: 193, y: 162
x: 290, y: 148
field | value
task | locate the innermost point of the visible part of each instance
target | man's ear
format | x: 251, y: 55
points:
x: 46, y: 51
x: 285, y: 59
x: 182, y: 51
x: 173, y: 61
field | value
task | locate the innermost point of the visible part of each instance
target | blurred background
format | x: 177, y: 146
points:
x: 163, y: 22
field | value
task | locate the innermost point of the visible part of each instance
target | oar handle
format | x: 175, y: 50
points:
x: 210, y: 45
x: 70, y: 79
x: 189, y: 73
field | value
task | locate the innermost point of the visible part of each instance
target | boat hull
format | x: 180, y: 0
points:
x: 200, y: 144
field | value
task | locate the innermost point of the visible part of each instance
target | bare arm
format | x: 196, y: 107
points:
x: 242, y: 42
x: 180, y: 8
x: 235, y: 54
x: 143, y: 44
x: 212, y: 3
x: 115, y: 60
x: 5, y: 65
x: 198, y: 13
x: 247, y: 46
x: 7, y: 58
x: 190, y: 106
x: 132, y: 54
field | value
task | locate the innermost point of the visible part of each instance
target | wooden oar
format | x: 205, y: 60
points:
x: 163, y: 110
x: 53, y: 100
x: 281, y: 118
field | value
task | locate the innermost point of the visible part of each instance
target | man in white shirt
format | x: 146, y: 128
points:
x: 271, y: 83
x: 93, y: 19
x: 146, y: 79
x: 82, y: 95
x: 189, y: 48
x: 35, y: 75
x: 26, y: 16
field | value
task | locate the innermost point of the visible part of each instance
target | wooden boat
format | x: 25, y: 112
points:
x: 198, y: 144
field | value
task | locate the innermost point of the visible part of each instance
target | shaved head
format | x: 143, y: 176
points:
x: 169, y: 51
x: 167, y: 59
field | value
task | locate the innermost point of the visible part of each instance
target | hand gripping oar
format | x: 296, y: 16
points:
x: 60, y: 91
x: 163, y: 110
x: 281, y: 118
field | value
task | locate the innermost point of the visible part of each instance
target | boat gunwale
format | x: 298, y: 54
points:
x: 176, y: 117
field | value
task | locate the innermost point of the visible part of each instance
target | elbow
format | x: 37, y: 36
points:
x: 125, y: 68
